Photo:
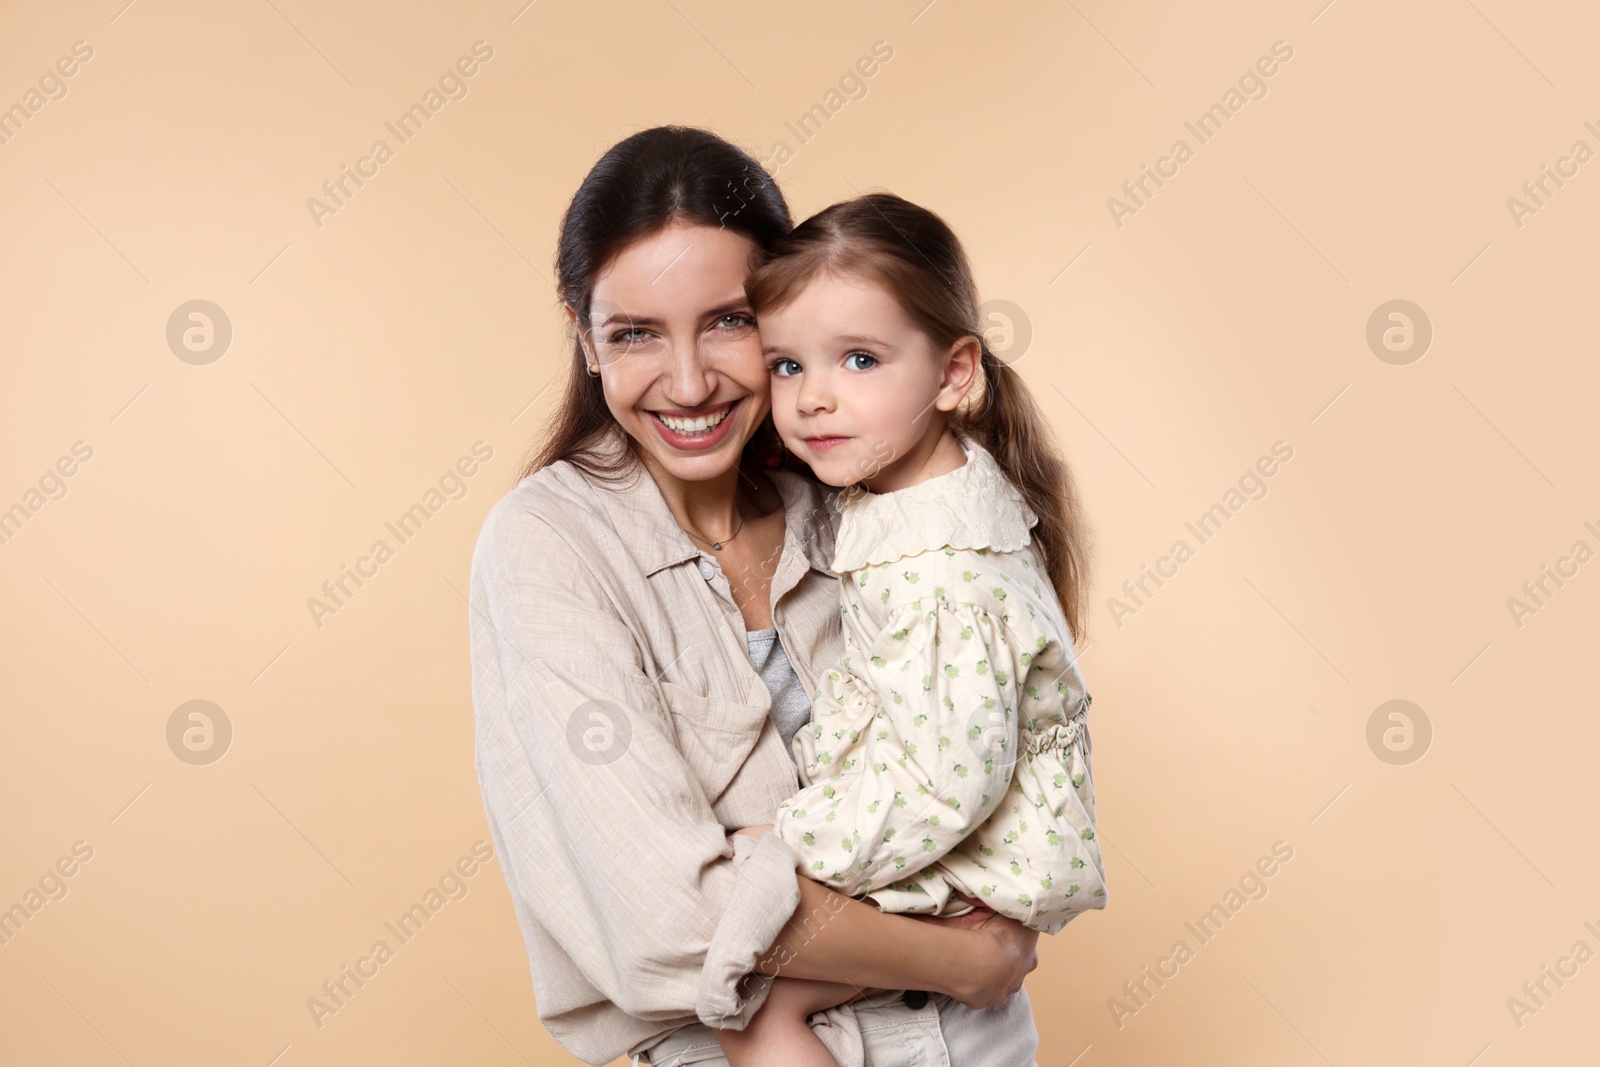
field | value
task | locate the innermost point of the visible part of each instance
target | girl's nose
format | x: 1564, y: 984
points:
x: 816, y: 393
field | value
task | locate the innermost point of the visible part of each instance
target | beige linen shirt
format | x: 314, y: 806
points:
x: 622, y: 731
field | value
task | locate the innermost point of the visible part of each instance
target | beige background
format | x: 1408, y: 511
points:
x: 1227, y: 313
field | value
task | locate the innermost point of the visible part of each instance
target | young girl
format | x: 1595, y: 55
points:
x: 948, y: 763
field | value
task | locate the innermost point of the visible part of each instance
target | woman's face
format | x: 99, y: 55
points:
x: 680, y: 359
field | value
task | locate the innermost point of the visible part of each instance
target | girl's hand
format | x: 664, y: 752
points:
x: 753, y: 831
x: 980, y: 914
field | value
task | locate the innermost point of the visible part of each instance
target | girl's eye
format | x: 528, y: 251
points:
x: 871, y: 359
x: 778, y: 366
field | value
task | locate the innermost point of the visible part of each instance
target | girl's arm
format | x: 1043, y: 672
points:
x: 938, y: 756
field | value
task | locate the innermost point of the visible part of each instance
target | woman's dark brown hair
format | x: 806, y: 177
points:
x: 916, y: 257
x: 655, y: 177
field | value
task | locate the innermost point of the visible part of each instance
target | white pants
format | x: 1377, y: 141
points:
x: 942, y: 1033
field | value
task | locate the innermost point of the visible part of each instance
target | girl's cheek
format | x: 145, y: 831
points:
x: 783, y: 418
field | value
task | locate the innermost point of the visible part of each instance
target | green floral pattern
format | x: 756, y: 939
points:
x: 950, y: 750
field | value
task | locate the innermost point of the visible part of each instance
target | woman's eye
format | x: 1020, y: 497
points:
x: 735, y: 321
x: 628, y: 337
x: 779, y: 368
x: 871, y: 360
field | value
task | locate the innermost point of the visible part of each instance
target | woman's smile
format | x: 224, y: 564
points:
x: 700, y: 431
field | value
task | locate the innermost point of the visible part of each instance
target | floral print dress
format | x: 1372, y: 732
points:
x: 949, y: 750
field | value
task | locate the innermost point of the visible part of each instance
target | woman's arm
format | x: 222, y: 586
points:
x: 618, y: 868
x: 834, y: 938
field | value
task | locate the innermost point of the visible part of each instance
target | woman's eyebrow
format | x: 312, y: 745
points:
x: 728, y: 308
x: 725, y: 308
x: 631, y: 320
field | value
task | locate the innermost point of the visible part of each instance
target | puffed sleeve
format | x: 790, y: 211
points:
x: 605, y: 836
x: 919, y: 731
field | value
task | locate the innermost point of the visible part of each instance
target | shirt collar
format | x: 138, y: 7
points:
x: 646, y: 524
x: 973, y: 506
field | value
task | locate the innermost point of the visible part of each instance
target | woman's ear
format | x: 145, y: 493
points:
x: 577, y: 329
x: 960, y: 372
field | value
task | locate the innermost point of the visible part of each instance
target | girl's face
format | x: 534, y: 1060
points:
x: 859, y: 392
x: 679, y: 355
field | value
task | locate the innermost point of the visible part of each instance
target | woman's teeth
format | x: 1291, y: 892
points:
x: 696, y: 425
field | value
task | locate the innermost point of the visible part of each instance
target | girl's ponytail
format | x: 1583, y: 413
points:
x: 1007, y: 422
x: 916, y: 257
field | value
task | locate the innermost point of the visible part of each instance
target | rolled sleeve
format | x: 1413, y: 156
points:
x: 609, y: 845
x: 763, y: 900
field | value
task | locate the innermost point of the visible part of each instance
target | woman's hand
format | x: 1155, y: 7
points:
x: 753, y: 831
x: 1006, y: 952
x: 1009, y: 951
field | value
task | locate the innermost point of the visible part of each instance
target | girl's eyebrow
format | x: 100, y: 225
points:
x: 854, y: 339
x: 843, y: 339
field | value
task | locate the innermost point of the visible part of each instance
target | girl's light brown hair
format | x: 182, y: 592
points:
x: 916, y: 257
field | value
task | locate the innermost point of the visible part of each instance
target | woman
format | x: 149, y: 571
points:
x: 623, y: 596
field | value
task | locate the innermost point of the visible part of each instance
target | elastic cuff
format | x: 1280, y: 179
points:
x: 763, y: 901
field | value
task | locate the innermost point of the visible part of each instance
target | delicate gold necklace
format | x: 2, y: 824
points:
x: 717, y: 545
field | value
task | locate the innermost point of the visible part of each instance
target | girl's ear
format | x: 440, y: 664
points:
x: 960, y: 372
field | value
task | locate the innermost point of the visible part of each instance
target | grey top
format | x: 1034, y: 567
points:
x: 791, y: 706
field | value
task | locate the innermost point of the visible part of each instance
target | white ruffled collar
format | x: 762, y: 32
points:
x: 971, y: 507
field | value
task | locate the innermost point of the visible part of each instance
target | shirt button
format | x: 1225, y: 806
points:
x: 707, y: 571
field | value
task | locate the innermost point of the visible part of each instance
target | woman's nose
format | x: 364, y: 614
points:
x: 690, y: 381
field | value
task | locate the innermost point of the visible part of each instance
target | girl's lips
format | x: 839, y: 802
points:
x: 696, y: 442
x: 822, y: 444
